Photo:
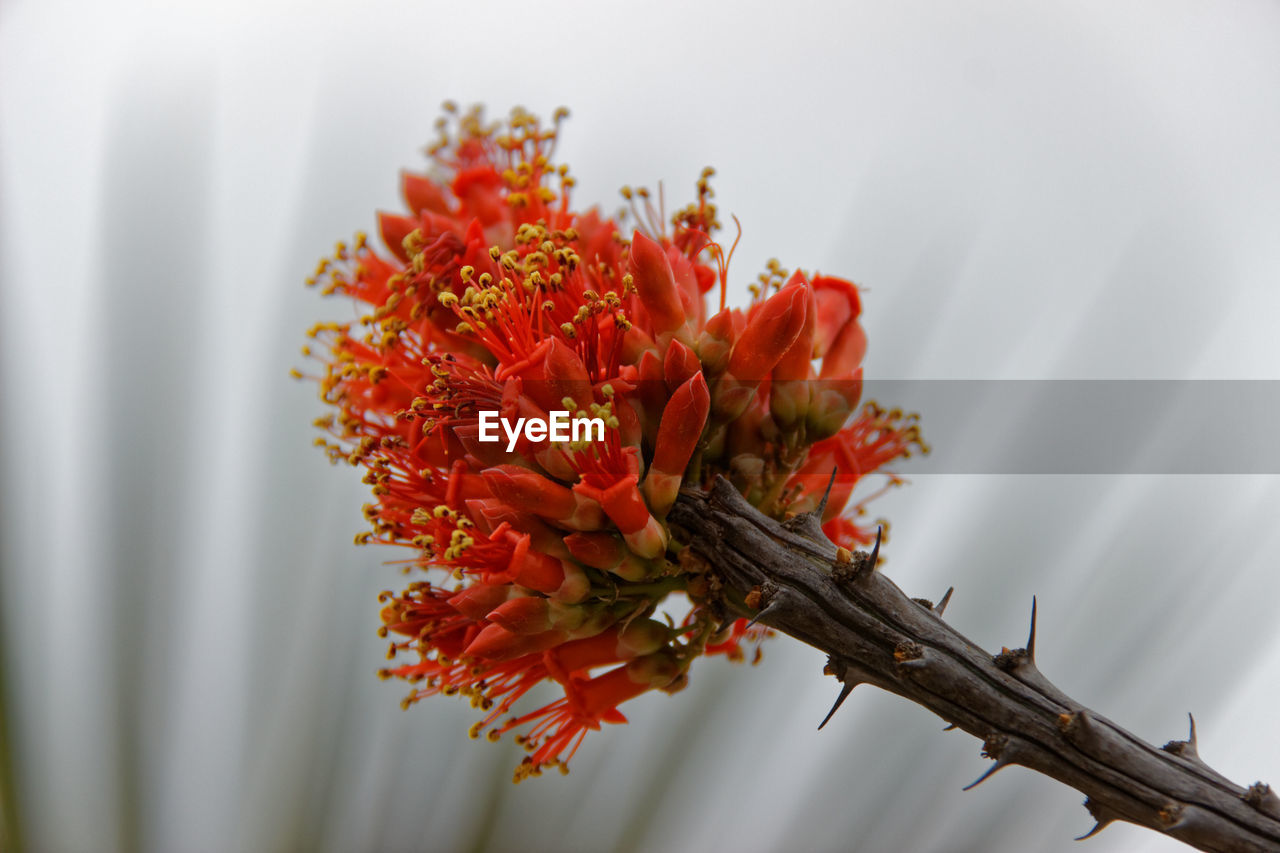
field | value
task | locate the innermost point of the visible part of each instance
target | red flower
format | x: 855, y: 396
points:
x: 547, y: 559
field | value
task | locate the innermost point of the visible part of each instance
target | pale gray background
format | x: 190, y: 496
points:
x: 1084, y: 190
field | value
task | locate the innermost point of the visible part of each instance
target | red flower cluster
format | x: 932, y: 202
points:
x: 494, y: 295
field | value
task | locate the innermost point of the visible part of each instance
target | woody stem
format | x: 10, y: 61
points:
x: 876, y: 634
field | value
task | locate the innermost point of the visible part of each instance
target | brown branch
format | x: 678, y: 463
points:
x: 799, y: 583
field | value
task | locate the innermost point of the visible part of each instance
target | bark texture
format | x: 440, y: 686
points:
x: 789, y: 576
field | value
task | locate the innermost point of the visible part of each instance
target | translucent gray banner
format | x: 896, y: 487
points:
x: 1090, y: 426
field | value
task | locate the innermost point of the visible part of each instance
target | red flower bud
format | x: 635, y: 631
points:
x: 607, y: 552
x: 475, y: 602
x: 495, y: 643
x: 566, y: 376
x: 770, y: 332
x: 795, y: 362
x: 846, y: 352
x: 716, y: 341
x: 526, y: 614
x: 683, y: 421
x: 681, y: 363
x: 531, y: 492
x: 614, y: 645
x: 655, y: 282
x: 393, y: 230
x: 627, y: 510
x: 838, y: 306
x: 530, y: 614
x: 422, y: 194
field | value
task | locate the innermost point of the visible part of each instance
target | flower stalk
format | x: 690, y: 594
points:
x: 789, y: 576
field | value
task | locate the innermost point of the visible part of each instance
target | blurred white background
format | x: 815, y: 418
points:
x: 1084, y: 190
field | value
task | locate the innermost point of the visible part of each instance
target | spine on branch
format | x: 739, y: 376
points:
x: 789, y: 576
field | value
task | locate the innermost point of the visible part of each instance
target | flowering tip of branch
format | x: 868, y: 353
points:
x: 494, y: 304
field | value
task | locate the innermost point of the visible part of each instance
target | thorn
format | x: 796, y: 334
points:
x: 1031, y: 637
x: 1004, y: 749
x: 822, y: 504
x: 1012, y: 660
x: 875, y: 551
x: 1097, y: 827
x: 1102, y: 816
x: 771, y: 607
x: 1185, y: 748
x: 809, y: 523
x: 942, y: 605
x: 1188, y: 750
x: 991, y: 771
x: 851, y: 567
x: 845, y: 690
x: 850, y: 675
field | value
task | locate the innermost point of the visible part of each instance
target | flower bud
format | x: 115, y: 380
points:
x: 656, y: 284
x: 678, y: 434
x: 528, y: 491
x: 770, y: 332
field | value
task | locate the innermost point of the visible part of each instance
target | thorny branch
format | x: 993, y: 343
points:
x: 789, y: 576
